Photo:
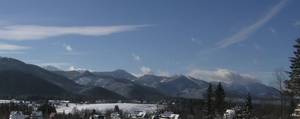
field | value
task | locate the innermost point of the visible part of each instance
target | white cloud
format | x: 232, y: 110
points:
x: 146, y: 70
x: 37, y: 32
x: 55, y: 64
x: 136, y: 57
x: 59, y: 65
x: 221, y: 75
x: 143, y: 71
x: 244, y: 33
x: 68, y: 47
x: 11, y: 47
x: 73, y: 68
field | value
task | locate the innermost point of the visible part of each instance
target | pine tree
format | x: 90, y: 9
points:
x: 220, y: 100
x: 116, y: 109
x: 209, y: 101
x: 248, y: 107
x: 292, y: 105
x: 294, y: 74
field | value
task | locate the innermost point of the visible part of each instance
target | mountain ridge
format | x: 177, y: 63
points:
x: 181, y: 85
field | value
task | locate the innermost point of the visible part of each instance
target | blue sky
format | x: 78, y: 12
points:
x: 166, y: 37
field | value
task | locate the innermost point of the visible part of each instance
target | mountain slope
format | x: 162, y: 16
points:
x: 122, y: 86
x: 257, y: 90
x: 100, y: 93
x: 119, y: 74
x: 176, y: 86
x: 16, y: 83
x: 16, y: 65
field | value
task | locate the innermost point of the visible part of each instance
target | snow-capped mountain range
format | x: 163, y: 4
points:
x: 120, y: 81
x: 21, y: 79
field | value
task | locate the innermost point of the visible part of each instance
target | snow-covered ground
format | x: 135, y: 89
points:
x: 5, y: 101
x: 129, y: 107
x: 11, y: 101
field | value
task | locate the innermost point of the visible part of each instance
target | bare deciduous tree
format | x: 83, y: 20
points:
x: 281, y: 76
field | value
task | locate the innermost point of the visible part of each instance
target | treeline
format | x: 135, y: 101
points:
x: 215, y: 104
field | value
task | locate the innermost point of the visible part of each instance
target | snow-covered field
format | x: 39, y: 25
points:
x: 5, y: 101
x: 107, y: 106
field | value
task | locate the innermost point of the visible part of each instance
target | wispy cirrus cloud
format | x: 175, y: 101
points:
x: 244, y: 33
x: 38, y: 32
x: 11, y: 47
x: 61, y: 66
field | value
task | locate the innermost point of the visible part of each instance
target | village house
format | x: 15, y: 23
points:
x: 137, y: 115
x: 229, y: 114
x: 59, y: 102
x: 17, y: 115
x: 166, y: 115
x: 36, y: 115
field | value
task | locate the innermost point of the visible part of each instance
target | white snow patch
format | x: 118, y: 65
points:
x: 130, y: 107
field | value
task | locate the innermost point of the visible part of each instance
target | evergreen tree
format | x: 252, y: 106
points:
x: 47, y: 109
x: 116, y: 109
x: 294, y: 74
x: 292, y: 105
x: 220, y: 100
x: 209, y: 101
x: 248, y: 107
